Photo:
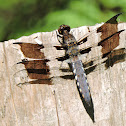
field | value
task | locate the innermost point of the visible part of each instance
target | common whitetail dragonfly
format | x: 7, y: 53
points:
x: 39, y: 71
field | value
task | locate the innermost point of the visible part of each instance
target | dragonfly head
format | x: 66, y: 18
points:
x: 62, y: 28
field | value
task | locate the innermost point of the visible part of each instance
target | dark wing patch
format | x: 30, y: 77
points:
x: 107, y: 29
x: 116, y: 56
x: 109, y: 41
x: 108, y: 44
x: 110, y: 34
x: 31, y: 50
x: 61, y: 47
x: 36, y: 69
x: 83, y: 51
x: 113, y: 57
x: 63, y: 58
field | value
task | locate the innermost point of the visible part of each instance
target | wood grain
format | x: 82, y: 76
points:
x: 59, y: 103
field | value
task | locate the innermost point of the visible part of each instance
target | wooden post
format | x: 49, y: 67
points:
x: 41, y: 103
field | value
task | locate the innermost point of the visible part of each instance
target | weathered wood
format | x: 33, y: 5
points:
x: 60, y: 104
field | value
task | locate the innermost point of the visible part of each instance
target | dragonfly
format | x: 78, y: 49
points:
x: 74, y: 52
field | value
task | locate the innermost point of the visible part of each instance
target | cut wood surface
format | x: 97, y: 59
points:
x: 59, y: 104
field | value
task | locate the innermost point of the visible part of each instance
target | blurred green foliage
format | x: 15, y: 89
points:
x: 21, y: 18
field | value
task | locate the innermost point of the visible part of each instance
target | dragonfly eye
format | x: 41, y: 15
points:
x: 62, y: 28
